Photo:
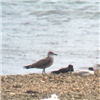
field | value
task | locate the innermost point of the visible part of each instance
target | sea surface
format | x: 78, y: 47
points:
x: 32, y: 28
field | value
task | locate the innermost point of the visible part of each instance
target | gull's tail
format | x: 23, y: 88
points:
x: 28, y: 66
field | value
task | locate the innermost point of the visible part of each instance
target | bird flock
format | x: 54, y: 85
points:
x: 48, y: 61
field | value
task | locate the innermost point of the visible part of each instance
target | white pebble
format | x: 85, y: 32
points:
x: 53, y: 97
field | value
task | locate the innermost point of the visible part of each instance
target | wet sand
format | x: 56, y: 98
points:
x: 39, y: 86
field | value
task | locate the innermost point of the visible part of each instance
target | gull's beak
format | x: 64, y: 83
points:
x: 55, y: 54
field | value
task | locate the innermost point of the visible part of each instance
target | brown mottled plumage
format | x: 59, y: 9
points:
x: 43, y: 63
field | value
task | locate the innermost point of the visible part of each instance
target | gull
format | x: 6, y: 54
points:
x: 90, y: 71
x: 64, y: 70
x: 43, y: 63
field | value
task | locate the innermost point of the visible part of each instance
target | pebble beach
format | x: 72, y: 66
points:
x: 39, y: 86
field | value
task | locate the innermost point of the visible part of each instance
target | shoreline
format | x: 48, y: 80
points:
x: 39, y: 86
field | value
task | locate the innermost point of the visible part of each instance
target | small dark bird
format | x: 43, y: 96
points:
x: 64, y: 70
x: 43, y: 63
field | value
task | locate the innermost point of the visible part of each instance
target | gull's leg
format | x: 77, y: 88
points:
x: 43, y: 71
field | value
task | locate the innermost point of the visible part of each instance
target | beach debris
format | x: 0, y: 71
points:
x: 53, y: 97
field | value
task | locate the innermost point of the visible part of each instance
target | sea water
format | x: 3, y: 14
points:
x: 32, y: 28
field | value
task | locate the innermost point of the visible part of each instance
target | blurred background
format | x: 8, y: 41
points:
x: 32, y: 28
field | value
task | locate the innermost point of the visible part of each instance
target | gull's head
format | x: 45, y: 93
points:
x: 90, y: 69
x: 50, y: 53
x: 70, y: 66
x: 54, y: 96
